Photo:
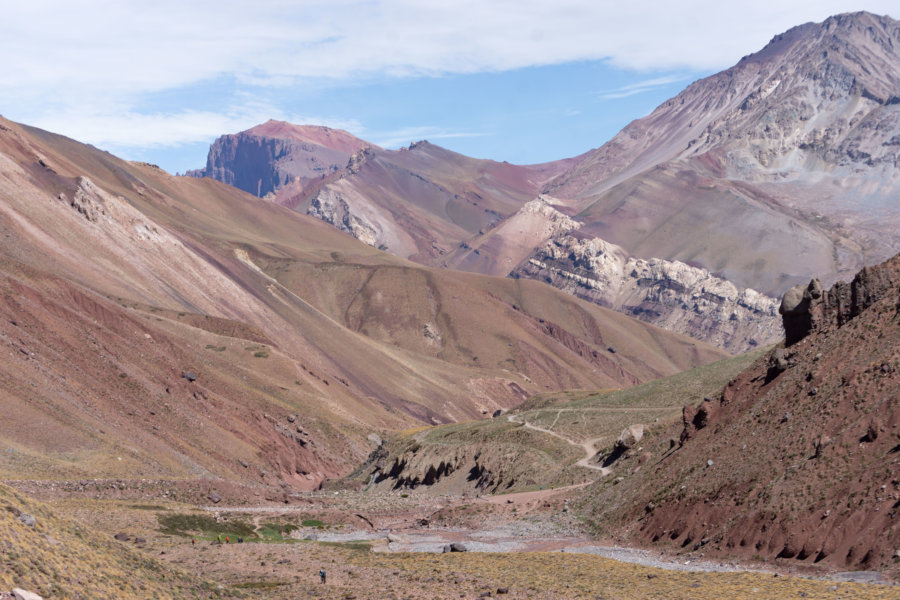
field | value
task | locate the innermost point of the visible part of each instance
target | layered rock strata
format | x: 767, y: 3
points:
x: 670, y: 294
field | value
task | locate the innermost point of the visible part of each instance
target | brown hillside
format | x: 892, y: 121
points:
x: 797, y: 458
x: 176, y: 327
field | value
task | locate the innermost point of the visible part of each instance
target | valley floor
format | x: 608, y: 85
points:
x: 388, y: 545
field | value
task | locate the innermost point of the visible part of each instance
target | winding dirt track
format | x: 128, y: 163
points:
x: 588, y: 445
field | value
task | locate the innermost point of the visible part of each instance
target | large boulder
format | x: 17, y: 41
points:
x: 629, y: 438
x: 27, y: 520
x: 798, y: 306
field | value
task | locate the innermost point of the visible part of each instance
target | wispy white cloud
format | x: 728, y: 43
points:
x: 640, y: 87
x: 406, y: 135
x: 89, y: 65
x: 125, y: 128
x: 81, y: 46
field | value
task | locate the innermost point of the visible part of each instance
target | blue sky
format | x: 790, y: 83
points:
x: 522, y: 81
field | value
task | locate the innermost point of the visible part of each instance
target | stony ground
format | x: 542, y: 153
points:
x: 359, y: 539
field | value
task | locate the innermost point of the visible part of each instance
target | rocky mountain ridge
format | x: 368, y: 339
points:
x: 670, y: 294
x: 778, y: 169
x: 802, y: 132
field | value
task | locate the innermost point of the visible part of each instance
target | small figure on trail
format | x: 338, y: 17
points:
x: 227, y: 540
x: 219, y: 538
x: 194, y: 542
x: 322, y: 574
x: 240, y: 540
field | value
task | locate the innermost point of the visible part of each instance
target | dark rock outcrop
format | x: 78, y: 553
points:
x: 807, y: 308
x: 266, y: 158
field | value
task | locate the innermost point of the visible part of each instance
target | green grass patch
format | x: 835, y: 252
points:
x: 313, y: 523
x: 204, y: 526
x: 274, y: 531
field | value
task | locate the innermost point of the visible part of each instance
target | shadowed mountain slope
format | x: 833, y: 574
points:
x: 158, y: 326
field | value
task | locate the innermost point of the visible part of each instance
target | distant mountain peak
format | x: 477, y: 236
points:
x: 335, y: 139
x: 806, y: 131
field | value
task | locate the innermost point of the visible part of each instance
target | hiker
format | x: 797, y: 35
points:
x: 194, y: 542
x: 219, y: 538
x: 227, y: 540
x: 322, y: 574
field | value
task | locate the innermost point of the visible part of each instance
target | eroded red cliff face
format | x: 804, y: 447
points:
x: 798, y: 458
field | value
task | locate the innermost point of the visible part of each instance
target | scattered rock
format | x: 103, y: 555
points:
x: 629, y: 437
x: 871, y: 433
x: 20, y: 594
x: 27, y: 520
x: 190, y: 376
x: 778, y: 364
x: 502, y: 590
x: 821, y: 443
x: 122, y: 537
x: 458, y: 547
x: 214, y: 497
x: 696, y: 418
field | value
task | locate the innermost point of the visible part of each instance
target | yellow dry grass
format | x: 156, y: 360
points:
x: 556, y: 575
x: 58, y: 558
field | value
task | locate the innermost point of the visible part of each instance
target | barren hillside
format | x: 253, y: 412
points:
x: 158, y: 326
x: 790, y: 153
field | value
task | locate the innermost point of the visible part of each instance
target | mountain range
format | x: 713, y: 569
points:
x: 778, y: 169
x: 302, y: 312
x: 162, y: 326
